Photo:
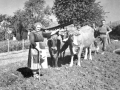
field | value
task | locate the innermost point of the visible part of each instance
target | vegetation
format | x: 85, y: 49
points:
x: 115, y: 34
x: 13, y: 45
x: 23, y: 19
x: 75, y: 11
x: 78, y: 11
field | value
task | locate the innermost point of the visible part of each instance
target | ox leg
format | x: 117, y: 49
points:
x: 52, y: 61
x: 79, y: 55
x: 72, y: 55
x: 63, y: 54
x: 71, y: 63
x: 86, y: 53
x: 52, y: 57
x: 56, y: 60
x: 90, y: 57
x: 56, y: 57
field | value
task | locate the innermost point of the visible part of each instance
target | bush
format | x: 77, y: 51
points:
x: 13, y: 45
x: 115, y: 34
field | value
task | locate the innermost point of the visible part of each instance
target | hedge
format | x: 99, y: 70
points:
x: 13, y: 45
x: 115, y: 26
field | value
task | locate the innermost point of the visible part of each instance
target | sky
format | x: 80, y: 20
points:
x: 111, y: 6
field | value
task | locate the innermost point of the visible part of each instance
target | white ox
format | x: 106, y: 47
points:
x: 84, y: 39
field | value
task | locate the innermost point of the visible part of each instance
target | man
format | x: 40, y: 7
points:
x: 104, y: 30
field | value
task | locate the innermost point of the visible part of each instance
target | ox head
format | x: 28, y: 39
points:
x: 63, y: 34
x: 71, y: 35
x: 54, y: 43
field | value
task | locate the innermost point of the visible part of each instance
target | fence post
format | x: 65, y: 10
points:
x: 8, y: 36
x: 8, y: 45
x: 23, y: 44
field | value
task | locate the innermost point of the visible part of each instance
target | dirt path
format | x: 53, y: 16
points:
x: 12, y: 57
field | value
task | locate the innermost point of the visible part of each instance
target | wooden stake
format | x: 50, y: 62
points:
x: 8, y: 45
x: 23, y: 44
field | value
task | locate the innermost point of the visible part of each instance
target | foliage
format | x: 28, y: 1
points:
x: 24, y: 19
x: 2, y: 36
x: 20, y: 30
x: 14, y: 45
x: 2, y: 17
x: 36, y: 11
x: 21, y: 15
x: 5, y: 27
x: 78, y: 11
x: 47, y: 10
x: 115, y: 26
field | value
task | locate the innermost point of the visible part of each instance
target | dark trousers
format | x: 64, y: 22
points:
x: 104, y: 42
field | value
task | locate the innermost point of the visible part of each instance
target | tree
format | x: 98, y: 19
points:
x: 47, y: 10
x: 78, y: 11
x: 21, y: 15
x: 3, y: 17
x: 33, y: 11
x: 36, y: 11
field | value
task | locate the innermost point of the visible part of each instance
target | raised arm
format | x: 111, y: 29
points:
x: 46, y: 34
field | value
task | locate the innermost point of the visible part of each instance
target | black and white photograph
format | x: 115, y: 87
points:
x: 59, y: 44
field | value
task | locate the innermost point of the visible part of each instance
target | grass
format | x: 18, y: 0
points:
x: 102, y: 73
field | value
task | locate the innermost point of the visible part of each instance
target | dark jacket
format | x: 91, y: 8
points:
x: 37, y: 37
x: 34, y: 37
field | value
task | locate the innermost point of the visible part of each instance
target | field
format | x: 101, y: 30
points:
x: 102, y: 73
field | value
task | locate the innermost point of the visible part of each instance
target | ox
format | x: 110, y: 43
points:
x: 55, y: 44
x: 84, y: 39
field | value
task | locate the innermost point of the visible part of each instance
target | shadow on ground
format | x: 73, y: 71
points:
x: 25, y: 71
x: 61, y: 61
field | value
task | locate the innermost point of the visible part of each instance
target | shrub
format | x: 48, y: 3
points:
x: 13, y: 45
x: 115, y: 34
